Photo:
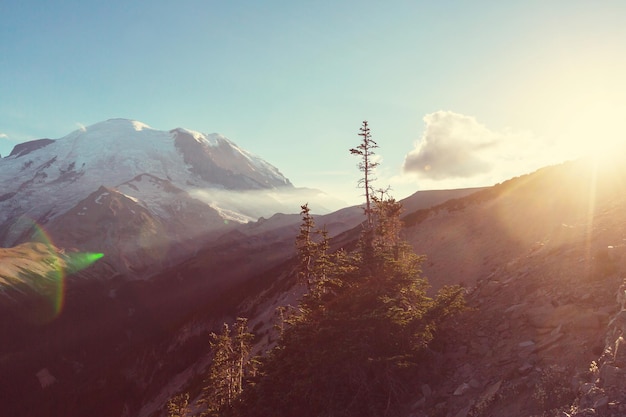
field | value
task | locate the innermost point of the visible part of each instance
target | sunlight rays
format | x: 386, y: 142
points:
x: 591, y: 211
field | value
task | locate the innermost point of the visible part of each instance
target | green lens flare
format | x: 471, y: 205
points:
x: 75, y: 262
x: 58, y: 265
x: 80, y: 261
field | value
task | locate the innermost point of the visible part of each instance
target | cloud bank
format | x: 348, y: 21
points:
x: 265, y: 203
x: 457, y: 148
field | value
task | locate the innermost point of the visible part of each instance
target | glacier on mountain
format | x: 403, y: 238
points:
x: 46, y: 178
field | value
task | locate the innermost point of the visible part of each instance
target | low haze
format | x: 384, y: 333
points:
x: 457, y: 95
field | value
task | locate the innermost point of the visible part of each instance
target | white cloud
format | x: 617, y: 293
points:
x: 6, y: 144
x: 81, y: 127
x: 264, y: 203
x: 452, y: 146
x: 457, y: 149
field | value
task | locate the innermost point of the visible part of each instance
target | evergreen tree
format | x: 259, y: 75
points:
x: 218, y: 392
x: 357, y: 343
x: 307, y: 249
x: 178, y: 406
x: 365, y: 150
x: 242, y: 346
x: 355, y: 351
x: 313, y: 259
x: 230, y: 364
x: 388, y: 224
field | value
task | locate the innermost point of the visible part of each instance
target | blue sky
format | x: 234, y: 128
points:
x: 457, y: 93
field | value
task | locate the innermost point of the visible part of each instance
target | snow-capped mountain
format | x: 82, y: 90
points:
x: 130, y: 191
x: 43, y: 179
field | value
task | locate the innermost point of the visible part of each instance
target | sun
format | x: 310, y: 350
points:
x: 602, y: 151
x: 607, y: 153
x: 596, y: 132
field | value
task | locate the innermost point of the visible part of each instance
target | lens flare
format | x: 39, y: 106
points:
x: 51, y: 285
x: 80, y: 261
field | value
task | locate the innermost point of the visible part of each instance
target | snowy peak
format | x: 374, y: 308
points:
x: 214, y: 158
x: 28, y: 147
x: 48, y: 177
x: 209, y: 140
x: 132, y: 192
x: 116, y: 125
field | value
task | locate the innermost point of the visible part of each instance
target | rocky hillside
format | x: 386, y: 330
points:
x: 542, y: 260
x: 540, y: 256
x: 123, y: 343
x: 539, y: 328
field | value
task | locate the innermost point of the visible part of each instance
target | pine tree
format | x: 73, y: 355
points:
x: 355, y: 350
x: 356, y: 345
x: 387, y: 223
x: 231, y: 362
x: 365, y: 151
x: 218, y: 391
x: 313, y: 259
x: 178, y: 406
x: 242, y: 346
x: 306, y: 247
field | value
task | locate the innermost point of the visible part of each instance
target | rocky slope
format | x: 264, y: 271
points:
x: 537, y: 323
x: 542, y: 259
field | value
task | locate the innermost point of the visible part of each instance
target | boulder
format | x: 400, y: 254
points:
x: 611, y: 376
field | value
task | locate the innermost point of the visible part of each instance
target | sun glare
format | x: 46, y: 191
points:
x: 604, y: 152
x: 597, y: 133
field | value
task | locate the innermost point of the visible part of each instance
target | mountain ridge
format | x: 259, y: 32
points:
x: 115, y: 151
x: 47, y: 183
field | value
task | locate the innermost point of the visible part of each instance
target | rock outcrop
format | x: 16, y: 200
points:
x: 605, y: 392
